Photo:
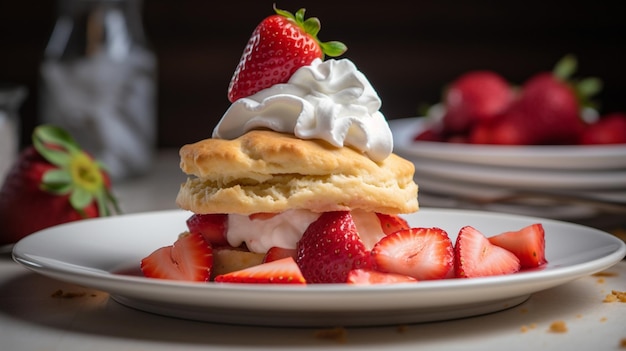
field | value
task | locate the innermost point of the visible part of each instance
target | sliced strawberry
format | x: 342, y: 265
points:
x: 212, y: 226
x: 276, y: 253
x: 422, y: 253
x: 190, y: 258
x: 475, y: 256
x: 528, y: 244
x: 370, y: 277
x: 283, y: 271
x: 279, y: 45
x: 330, y: 248
x: 392, y: 223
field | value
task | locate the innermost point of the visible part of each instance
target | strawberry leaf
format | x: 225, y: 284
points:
x: 589, y: 86
x: 312, y: 27
x: 584, y: 88
x: 80, y: 198
x: 78, y: 174
x: 299, y: 17
x: 333, y: 48
x: 57, y: 181
x: 59, y: 158
x: 108, y: 200
x: 565, y: 67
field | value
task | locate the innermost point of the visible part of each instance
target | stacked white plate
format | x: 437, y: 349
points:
x: 560, y: 181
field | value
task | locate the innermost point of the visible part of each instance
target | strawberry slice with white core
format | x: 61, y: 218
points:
x: 422, y: 253
x: 282, y: 271
x: 371, y: 277
x: 528, y: 244
x: 475, y: 256
x: 190, y: 258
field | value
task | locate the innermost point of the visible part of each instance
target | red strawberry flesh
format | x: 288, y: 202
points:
x: 475, y: 256
x: 370, y: 277
x: 212, y: 226
x: 190, y: 258
x: 422, y: 253
x: 528, y: 244
x: 282, y: 271
x: 392, y: 223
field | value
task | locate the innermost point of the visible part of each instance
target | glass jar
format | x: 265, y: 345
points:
x: 98, y: 81
x: 11, y: 98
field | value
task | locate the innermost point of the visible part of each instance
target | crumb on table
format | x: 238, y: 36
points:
x: 67, y: 295
x: 615, y: 296
x: 338, y: 334
x: 605, y: 274
x: 526, y: 328
x: 558, y: 327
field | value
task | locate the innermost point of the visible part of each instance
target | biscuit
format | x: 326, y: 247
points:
x: 267, y: 171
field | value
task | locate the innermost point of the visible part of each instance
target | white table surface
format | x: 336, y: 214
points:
x: 32, y: 318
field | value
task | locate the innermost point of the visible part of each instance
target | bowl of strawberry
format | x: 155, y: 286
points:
x: 482, y: 107
x: 542, y: 147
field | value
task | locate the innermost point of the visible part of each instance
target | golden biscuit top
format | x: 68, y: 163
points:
x: 261, y: 154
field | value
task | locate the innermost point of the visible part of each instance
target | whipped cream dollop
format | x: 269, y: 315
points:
x: 282, y: 230
x: 286, y: 229
x: 329, y: 100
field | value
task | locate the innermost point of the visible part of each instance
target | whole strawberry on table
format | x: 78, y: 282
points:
x: 482, y: 107
x: 52, y: 182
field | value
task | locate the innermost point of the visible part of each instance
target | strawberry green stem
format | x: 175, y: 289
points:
x: 585, y: 89
x: 312, y: 27
x: 76, y: 174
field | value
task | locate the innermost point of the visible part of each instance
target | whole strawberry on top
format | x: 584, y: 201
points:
x: 279, y: 45
x: 52, y: 182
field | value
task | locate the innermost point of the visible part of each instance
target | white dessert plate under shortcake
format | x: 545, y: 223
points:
x: 104, y: 254
x: 549, y: 157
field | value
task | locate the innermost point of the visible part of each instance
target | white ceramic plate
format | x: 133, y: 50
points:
x: 104, y: 254
x: 559, y: 157
x: 568, y: 205
x: 520, y: 178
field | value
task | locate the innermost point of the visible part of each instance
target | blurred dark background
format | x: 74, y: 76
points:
x: 408, y: 49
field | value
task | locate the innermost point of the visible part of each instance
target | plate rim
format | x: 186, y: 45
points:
x: 526, y: 178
